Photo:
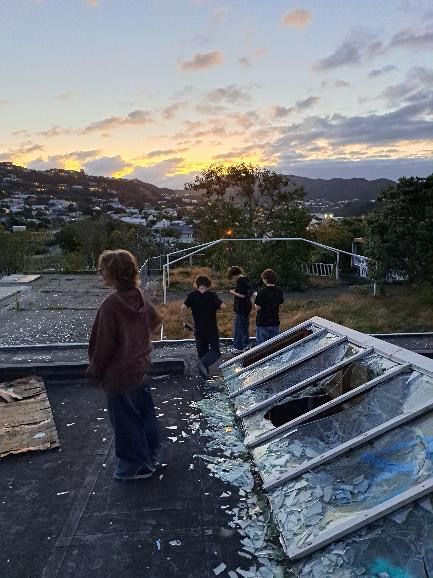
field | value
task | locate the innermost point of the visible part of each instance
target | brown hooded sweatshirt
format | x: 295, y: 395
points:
x: 120, y: 346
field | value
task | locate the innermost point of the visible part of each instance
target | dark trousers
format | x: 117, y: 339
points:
x: 265, y: 333
x: 208, y: 348
x: 136, y: 432
x: 241, y: 338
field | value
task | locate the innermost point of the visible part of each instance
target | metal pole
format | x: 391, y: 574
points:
x: 168, y: 270
x: 164, y: 286
x: 337, y: 273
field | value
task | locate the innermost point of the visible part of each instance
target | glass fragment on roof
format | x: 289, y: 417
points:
x: 353, y: 483
x: 383, y: 402
x: 268, y: 366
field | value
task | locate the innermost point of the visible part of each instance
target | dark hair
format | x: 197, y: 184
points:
x: 120, y: 266
x: 203, y: 280
x: 233, y: 271
x: 270, y: 276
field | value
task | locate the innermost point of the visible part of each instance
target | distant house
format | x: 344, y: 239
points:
x: 19, y: 228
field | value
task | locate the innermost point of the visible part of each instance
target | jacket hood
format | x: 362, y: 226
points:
x: 132, y: 301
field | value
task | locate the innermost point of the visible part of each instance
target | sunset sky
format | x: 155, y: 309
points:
x: 158, y: 89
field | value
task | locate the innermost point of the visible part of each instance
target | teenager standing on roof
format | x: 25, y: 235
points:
x: 204, y: 305
x: 242, y: 308
x: 119, y: 356
x: 267, y: 305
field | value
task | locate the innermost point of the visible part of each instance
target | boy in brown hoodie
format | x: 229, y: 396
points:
x: 119, y: 356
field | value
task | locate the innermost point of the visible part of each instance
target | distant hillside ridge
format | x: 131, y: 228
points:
x: 342, y: 189
x: 74, y: 185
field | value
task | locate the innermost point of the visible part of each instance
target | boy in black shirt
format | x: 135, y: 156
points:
x: 242, y: 308
x: 267, y: 304
x: 204, y: 304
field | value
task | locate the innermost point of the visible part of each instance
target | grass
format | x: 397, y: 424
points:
x: 404, y: 310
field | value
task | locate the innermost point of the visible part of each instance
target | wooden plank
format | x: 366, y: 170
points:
x: 26, y: 424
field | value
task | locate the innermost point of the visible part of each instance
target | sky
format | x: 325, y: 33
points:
x: 159, y: 89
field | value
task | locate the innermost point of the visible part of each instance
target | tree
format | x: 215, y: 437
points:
x: 400, y: 231
x: 243, y: 201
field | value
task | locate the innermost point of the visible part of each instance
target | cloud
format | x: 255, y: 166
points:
x: 298, y: 18
x: 54, y: 131
x: 365, y: 168
x: 163, y: 173
x: 62, y: 160
x: 412, y: 122
x: 171, y: 110
x: 92, y: 3
x: 348, y: 53
x: 382, y: 71
x: 335, y: 84
x: 231, y: 94
x: 361, y: 47
x: 3, y: 102
x: 67, y: 96
x: 218, y: 16
x: 248, y: 59
x: 164, y: 152
x: 307, y: 103
x: 417, y: 87
x: 134, y: 118
x: 412, y: 39
x: 106, y: 166
x: 202, y: 61
x: 281, y: 111
x: 24, y: 149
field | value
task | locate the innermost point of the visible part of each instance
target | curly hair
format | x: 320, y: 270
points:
x: 121, y: 267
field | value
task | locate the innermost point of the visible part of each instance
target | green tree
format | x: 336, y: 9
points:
x: 400, y: 231
x: 244, y: 201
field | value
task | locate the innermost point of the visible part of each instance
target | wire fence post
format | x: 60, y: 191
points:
x: 337, y: 267
x: 168, y: 270
x: 164, y: 285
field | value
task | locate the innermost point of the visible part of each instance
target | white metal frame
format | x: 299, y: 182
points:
x: 288, y: 367
x: 204, y: 246
x: 305, y: 383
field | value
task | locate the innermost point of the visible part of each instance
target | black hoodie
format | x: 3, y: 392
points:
x: 120, y: 345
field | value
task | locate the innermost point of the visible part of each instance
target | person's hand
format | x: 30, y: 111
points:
x: 232, y: 292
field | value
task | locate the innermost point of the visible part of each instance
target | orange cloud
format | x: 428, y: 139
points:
x: 202, y: 61
x: 136, y: 117
x: 296, y: 18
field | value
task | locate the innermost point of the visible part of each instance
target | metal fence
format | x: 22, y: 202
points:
x: 319, y: 269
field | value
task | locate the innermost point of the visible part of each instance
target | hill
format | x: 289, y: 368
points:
x: 334, y: 190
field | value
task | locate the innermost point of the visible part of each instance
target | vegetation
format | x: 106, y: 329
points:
x: 247, y: 201
x: 399, y: 311
x: 400, y: 232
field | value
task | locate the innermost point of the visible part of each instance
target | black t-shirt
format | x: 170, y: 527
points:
x: 204, y: 307
x: 269, y: 298
x: 242, y: 305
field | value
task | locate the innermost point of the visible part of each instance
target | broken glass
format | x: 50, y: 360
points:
x: 279, y: 361
x: 237, y: 365
x: 250, y: 397
x: 383, y: 402
x: 353, y: 483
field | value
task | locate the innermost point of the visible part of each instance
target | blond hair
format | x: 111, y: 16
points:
x: 121, y: 267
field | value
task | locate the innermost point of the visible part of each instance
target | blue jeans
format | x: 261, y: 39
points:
x: 136, y: 431
x: 265, y: 333
x: 241, y: 338
x: 208, y: 349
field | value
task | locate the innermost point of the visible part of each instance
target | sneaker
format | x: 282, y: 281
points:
x: 141, y: 474
x: 202, y: 369
x: 236, y: 351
